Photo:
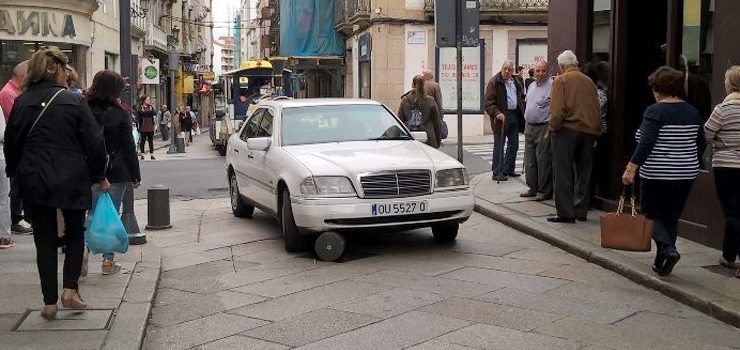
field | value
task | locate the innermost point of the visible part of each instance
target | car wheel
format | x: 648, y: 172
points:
x: 446, y: 232
x: 294, y: 242
x: 238, y: 207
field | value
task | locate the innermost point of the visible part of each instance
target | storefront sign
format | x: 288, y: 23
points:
x: 39, y: 24
x: 150, y: 71
x: 416, y: 37
x: 473, y: 78
x: 529, y: 52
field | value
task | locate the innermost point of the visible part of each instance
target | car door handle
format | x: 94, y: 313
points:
x: 250, y: 156
x: 236, y: 150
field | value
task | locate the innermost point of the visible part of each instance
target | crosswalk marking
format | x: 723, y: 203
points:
x: 485, y: 151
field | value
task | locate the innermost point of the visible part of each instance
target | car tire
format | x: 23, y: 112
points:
x: 445, y: 232
x: 238, y: 207
x: 294, y: 241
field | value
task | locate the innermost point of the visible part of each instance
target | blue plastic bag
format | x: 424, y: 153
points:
x: 106, y: 233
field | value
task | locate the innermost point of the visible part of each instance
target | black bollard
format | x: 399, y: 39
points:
x: 128, y: 217
x: 158, y: 205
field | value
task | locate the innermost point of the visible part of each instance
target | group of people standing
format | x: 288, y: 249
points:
x: 563, y: 118
x: 149, y: 120
x: 60, y: 148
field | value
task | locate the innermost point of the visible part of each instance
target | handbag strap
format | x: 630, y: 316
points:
x: 622, y: 199
x: 42, y: 112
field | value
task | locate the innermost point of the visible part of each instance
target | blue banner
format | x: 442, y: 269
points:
x: 307, y: 29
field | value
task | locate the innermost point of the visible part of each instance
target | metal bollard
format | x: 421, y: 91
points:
x: 128, y: 217
x: 158, y: 206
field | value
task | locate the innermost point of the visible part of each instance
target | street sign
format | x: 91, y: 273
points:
x: 209, y: 75
x: 150, y: 71
x: 445, y: 29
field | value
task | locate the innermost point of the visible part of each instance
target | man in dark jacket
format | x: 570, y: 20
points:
x: 504, y: 104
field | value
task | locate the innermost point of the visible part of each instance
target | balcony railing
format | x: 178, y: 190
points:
x: 156, y: 38
x: 351, y: 12
x: 504, y: 5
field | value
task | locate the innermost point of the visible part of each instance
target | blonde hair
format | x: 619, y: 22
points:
x: 74, y: 79
x: 732, y: 79
x: 44, y: 65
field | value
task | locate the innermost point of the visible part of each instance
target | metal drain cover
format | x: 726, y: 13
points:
x: 67, y: 320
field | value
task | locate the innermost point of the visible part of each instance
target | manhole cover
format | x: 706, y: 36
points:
x: 720, y: 270
x: 67, y: 320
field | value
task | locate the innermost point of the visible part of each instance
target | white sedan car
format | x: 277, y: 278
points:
x: 331, y: 165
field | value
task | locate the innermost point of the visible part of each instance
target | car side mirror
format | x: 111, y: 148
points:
x: 259, y: 143
x: 420, y: 136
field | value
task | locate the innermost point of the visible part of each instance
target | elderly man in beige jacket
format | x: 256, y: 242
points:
x: 575, y: 122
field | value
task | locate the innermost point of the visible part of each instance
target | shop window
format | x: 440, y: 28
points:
x: 697, y: 48
x: 110, y: 61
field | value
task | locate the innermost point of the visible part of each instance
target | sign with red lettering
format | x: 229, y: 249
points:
x: 529, y: 52
x: 472, y: 73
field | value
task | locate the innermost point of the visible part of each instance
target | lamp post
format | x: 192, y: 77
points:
x: 174, y: 61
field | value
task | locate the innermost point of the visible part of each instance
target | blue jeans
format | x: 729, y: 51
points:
x: 116, y: 193
x: 511, y: 135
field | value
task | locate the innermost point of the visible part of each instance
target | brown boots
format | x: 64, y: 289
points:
x: 49, y: 312
x: 71, y: 299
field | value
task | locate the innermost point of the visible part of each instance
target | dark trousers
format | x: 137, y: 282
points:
x: 727, y: 181
x: 538, y: 159
x: 150, y: 137
x: 46, y: 238
x: 164, y: 130
x: 662, y: 201
x: 511, y: 138
x: 572, y: 160
x: 17, y: 208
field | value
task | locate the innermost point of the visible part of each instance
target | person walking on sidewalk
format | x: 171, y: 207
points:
x: 186, y: 125
x: 145, y: 119
x: 193, y: 122
x: 5, y: 240
x: 537, y: 151
x: 164, y: 116
x: 575, y: 123
x: 670, y: 140
x: 123, y: 167
x: 418, y: 112
x: 8, y: 94
x: 504, y: 104
x: 723, y: 133
x: 55, y: 147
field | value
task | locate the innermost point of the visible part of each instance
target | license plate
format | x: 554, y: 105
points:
x: 401, y: 208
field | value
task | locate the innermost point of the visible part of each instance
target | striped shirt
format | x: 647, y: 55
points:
x: 670, y: 140
x: 723, y: 133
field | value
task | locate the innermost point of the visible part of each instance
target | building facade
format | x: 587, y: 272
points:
x: 223, y: 58
x: 389, y: 42
x: 695, y: 36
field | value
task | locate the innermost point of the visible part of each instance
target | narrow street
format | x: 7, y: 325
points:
x: 227, y: 283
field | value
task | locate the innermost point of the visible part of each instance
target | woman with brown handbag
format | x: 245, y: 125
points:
x: 723, y: 133
x: 670, y: 141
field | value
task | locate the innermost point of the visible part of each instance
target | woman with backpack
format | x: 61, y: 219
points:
x: 123, y: 167
x: 419, y: 112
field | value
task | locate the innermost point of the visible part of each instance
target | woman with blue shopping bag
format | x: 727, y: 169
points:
x: 122, y: 169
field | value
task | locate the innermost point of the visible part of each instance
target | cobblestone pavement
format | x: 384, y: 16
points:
x: 227, y: 283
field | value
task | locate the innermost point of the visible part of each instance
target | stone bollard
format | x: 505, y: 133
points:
x: 158, y: 205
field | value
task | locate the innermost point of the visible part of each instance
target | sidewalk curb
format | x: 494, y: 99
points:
x: 128, y: 329
x: 683, y: 291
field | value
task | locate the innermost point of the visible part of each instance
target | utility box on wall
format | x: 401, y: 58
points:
x: 445, y: 29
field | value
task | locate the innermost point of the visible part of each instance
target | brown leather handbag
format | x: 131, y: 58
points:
x: 624, y: 231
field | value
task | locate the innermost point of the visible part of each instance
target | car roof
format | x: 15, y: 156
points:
x: 312, y: 102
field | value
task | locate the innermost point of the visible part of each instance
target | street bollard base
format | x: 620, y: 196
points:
x: 155, y: 228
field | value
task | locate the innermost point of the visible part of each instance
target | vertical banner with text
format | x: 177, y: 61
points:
x: 473, y: 78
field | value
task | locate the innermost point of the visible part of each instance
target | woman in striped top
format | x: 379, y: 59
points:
x: 670, y: 140
x: 723, y: 133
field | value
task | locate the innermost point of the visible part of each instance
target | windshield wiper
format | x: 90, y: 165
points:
x: 400, y: 137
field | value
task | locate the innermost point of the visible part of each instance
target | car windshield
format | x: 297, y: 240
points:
x: 339, y: 123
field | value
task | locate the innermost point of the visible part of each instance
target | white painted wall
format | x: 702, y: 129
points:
x: 414, y: 4
x: 355, y: 66
x: 416, y: 55
x: 499, y: 49
x: 104, y: 38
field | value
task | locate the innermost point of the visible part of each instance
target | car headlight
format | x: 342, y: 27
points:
x: 327, y: 186
x: 452, y: 178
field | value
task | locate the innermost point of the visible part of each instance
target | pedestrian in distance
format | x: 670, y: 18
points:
x: 123, y: 167
x: 55, y: 148
x: 8, y: 94
x: 537, y: 150
x: 186, y: 125
x: 73, y: 83
x: 164, y: 116
x: 418, y: 111
x: 575, y: 123
x: 6, y: 241
x: 670, y: 140
x: 530, y: 78
x: 723, y: 134
x: 145, y: 119
x: 433, y: 90
x: 504, y: 104
x: 190, y: 114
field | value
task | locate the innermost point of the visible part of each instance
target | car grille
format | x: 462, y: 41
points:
x: 397, y: 184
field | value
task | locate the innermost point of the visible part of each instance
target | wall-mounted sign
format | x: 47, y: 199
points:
x: 41, y: 24
x: 150, y: 71
x: 530, y: 51
x: 365, y: 46
x: 416, y: 37
x: 473, y: 78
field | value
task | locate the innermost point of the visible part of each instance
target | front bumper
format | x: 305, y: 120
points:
x: 335, y: 214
